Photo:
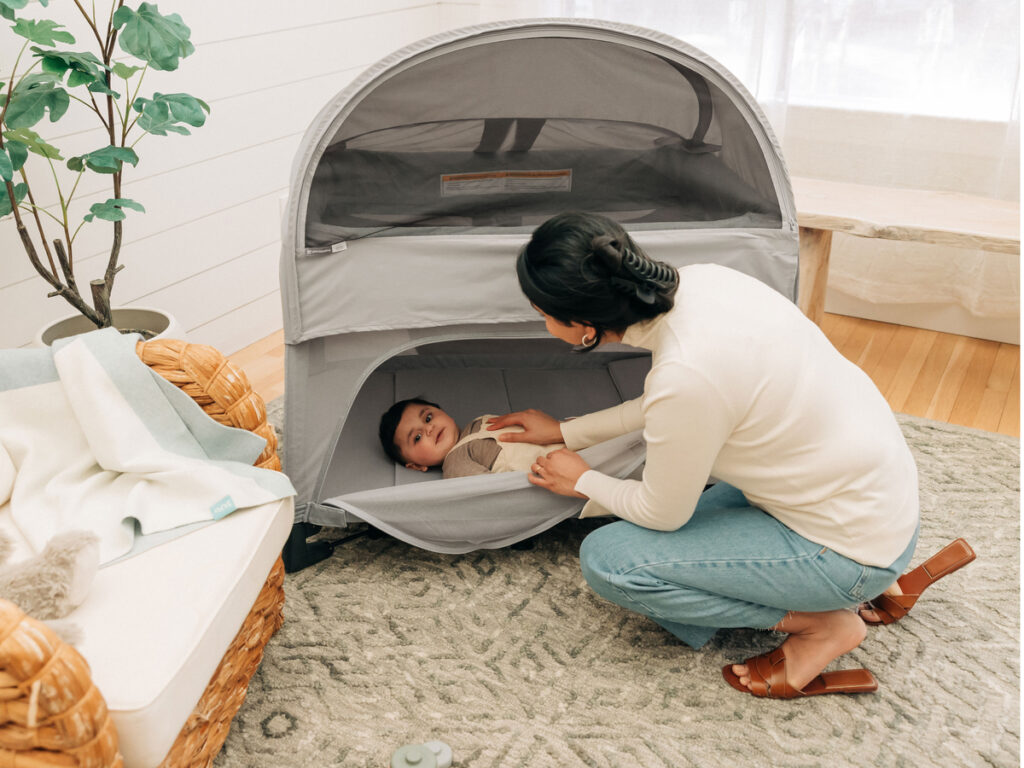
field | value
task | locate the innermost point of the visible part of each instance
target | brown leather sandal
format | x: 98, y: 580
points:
x: 768, y: 679
x: 890, y: 608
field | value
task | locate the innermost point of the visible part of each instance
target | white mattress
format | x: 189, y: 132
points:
x: 157, y: 624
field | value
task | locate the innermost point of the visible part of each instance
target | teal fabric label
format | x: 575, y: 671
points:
x: 223, y: 508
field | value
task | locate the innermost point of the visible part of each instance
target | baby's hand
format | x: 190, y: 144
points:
x: 538, y: 427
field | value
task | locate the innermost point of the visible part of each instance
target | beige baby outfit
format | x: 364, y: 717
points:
x: 479, y: 452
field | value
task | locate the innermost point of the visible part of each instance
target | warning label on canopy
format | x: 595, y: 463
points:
x: 502, y: 182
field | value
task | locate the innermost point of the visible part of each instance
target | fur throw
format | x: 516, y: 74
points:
x: 52, y: 584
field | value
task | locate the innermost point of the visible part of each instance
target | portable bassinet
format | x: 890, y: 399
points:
x: 410, y: 196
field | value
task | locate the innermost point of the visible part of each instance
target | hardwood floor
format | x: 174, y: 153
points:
x: 940, y: 376
x: 263, y: 363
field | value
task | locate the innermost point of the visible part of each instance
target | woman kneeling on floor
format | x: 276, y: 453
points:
x: 816, y: 506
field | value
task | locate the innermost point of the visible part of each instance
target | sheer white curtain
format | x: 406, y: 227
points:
x: 901, y: 93
x: 941, y: 71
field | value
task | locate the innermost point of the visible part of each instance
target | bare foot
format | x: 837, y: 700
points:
x: 868, y: 613
x: 815, y: 640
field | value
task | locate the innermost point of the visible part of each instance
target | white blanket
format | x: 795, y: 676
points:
x: 91, y: 438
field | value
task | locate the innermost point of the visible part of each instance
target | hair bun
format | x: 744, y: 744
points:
x: 645, y: 269
x: 632, y: 273
x: 608, y: 252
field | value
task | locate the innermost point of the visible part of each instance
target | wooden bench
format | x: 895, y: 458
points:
x: 912, y: 215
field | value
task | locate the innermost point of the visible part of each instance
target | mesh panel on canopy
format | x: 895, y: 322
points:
x: 510, y: 133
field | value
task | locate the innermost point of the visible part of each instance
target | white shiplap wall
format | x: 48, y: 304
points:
x: 207, y: 247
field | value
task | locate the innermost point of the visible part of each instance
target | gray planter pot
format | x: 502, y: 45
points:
x: 161, y: 324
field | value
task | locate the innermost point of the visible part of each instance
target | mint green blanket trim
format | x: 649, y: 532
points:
x: 143, y: 542
x: 21, y: 368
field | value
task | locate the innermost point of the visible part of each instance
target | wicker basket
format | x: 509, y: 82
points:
x: 51, y: 714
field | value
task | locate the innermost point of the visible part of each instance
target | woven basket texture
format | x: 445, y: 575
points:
x: 218, y: 386
x: 51, y: 714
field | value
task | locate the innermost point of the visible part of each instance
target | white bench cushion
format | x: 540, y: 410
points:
x: 156, y: 625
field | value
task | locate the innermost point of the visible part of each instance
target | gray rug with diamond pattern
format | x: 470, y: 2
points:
x: 509, y: 658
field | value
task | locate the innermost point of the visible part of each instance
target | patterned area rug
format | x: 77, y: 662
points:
x: 509, y: 658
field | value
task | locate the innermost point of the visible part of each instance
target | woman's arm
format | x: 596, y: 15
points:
x: 686, y: 422
x: 603, y: 425
x: 541, y: 429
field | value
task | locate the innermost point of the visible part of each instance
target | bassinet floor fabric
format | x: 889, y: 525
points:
x: 508, y: 657
x: 155, y: 626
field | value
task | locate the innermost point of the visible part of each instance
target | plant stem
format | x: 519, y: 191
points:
x: 101, y: 300
x: 88, y: 105
x: 40, y: 209
x: 65, y: 266
x: 111, y: 32
x: 101, y: 295
x: 69, y: 257
x: 39, y: 223
x: 59, y: 289
x: 73, y: 188
x: 94, y: 106
x: 92, y: 23
x: 64, y: 202
x: 17, y: 61
x: 10, y: 84
x: 126, y: 127
x: 77, y: 229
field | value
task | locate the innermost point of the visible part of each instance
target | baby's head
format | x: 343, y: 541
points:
x: 417, y: 433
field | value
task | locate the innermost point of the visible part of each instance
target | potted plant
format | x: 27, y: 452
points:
x: 53, y: 77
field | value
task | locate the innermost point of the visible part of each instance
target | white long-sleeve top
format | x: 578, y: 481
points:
x: 744, y: 388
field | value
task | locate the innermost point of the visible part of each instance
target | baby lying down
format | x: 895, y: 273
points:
x: 420, y: 435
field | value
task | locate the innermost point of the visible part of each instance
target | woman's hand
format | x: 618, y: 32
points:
x: 558, y: 472
x: 538, y: 427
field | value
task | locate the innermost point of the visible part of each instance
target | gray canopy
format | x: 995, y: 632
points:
x: 411, y: 194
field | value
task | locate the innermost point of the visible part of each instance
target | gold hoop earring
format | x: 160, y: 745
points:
x: 588, y: 341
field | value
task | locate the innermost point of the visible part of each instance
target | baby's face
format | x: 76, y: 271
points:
x: 425, y: 435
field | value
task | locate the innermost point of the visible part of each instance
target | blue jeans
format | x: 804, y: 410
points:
x: 731, y: 565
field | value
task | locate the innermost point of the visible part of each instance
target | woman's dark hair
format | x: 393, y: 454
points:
x: 585, y: 268
x: 389, y: 423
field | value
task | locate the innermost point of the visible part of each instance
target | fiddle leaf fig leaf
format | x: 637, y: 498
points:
x: 30, y: 81
x: 43, y: 32
x: 82, y: 68
x: 165, y: 111
x: 12, y: 157
x: 20, y: 190
x: 149, y: 35
x: 124, y: 71
x: 7, y: 9
x: 33, y: 143
x: 31, y: 100
x: 100, y: 86
x: 105, y: 160
x: 18, y: 153
x: 112, y: 209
